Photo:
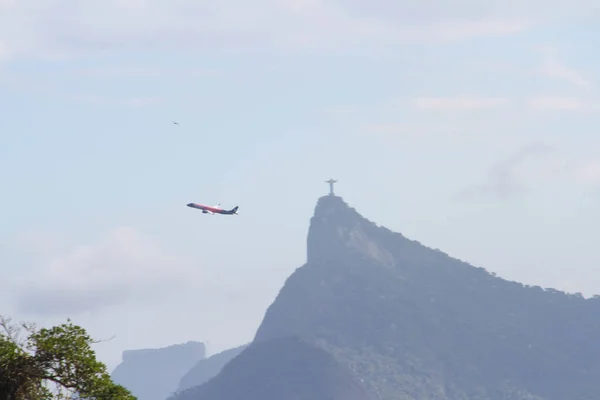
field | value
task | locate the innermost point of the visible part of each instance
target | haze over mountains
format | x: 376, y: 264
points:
x: 373, y: 315
x: 155, y: 374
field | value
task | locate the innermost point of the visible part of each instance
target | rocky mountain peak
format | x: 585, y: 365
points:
x: 338, y: 231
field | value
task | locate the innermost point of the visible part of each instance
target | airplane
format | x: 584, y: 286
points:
x: 214, y: 209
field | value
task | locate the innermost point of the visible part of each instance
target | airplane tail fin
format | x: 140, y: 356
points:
x: 234, y: 210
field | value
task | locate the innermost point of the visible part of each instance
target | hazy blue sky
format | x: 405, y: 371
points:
x: 470, y: 126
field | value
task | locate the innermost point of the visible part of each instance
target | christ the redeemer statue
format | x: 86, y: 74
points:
x: 331, y: 182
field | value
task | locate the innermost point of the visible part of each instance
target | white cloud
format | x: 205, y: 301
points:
x: 124, y: 265
x: 144, y: 71
x: 531, y: 167
x: 561, y: 103
x: 588, y: 172
x: 460, y: 30
x: 454, y: 129
x: 393, y: 130
x: 554, y: 68
x: 460, y: 103
x: 4, y: 51
x: 419, y: 10
x: 120, y: 102
x: 63, y: 28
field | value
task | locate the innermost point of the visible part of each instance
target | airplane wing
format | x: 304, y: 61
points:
x: 207, y: 210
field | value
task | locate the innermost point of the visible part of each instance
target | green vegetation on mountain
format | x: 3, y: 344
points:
x: 52, y: 364
x: 415, y: 323
x: 286, y: 368
x: 412, y: 323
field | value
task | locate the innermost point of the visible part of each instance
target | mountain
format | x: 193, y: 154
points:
x: 412, y: 323
x: 207, y: 368
x: 286, y: 368
x: 154, y: 374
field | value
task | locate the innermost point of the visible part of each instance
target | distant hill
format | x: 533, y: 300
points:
x: 154, y: 374
x: 410, y: 323
x: 285, y: 368
x: 207, y: 368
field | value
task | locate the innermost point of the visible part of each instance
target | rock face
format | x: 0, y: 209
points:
x: 206, y: 369
x: 411, y: 323
x: 154, y: 374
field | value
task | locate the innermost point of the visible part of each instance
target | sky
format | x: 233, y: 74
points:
x: 470, y: 126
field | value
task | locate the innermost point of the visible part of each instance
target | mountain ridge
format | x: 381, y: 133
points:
x: 289, y: 368
x: 153, y: 374
x: 411, y: 322
x: 209, y: 367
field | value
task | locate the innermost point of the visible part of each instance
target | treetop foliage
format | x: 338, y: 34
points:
x: 55, y: 363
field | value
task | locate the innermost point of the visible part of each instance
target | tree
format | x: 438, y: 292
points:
x: 52, y: 364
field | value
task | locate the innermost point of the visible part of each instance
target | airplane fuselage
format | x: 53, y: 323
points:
x: 213, y: 210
